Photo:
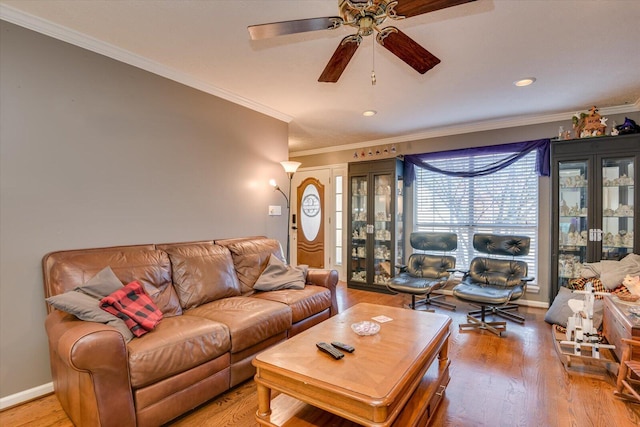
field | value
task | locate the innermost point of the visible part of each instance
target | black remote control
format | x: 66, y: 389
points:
x: 343, y: 346
x: 330, y: 350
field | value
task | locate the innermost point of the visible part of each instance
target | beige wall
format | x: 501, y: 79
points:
x: 477, y: 139
x: 96, y: 153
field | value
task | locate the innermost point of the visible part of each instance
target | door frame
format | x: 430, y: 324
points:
x: 327, y: 176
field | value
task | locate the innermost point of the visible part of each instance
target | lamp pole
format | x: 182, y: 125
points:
x: 289, y: 218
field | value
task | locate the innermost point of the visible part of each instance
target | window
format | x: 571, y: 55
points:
x: 505, y: 202
x: 338, y: 222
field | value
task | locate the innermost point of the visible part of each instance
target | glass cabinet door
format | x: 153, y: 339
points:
x: 573, y: 218
x: 617, y: 234
x: 382, y: 228
x: 607, y: 233
x: 359, y: 229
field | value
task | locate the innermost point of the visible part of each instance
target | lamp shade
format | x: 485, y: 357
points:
x: 290, y: 167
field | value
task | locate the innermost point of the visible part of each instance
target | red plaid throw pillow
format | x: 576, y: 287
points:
x: 134, y: 306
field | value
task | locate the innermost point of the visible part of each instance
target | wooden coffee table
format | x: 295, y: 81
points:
x: 396, y: 377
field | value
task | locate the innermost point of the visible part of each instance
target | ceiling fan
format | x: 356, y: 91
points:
x: 366, y: 16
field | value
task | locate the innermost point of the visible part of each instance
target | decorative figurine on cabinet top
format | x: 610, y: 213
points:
x: 592, y: 124
x: 629, y: 126
x: 578, y: 123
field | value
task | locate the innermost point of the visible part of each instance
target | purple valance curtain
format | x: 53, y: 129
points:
x: 513, y: 152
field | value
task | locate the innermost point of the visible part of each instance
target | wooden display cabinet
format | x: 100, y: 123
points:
x: 594, y: 203
x: 376, y: 243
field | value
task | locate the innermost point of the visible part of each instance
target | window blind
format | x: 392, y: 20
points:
x: 505, y: 202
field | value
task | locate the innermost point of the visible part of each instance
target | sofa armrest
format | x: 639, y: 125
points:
x: 328, y: 279
x: 90, y: 368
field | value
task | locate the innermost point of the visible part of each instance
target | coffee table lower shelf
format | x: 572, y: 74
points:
x: 287, y: 411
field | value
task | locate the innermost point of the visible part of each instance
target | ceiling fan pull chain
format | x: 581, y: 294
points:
x: 373, y: 64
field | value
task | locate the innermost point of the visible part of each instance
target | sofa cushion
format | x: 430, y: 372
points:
x: 277, y: 275
x: 303, y: 302
x: 202, y: 272
x: 250, y: 320
x: 150, y: 267
x: 177, y: 344
x: 250, y: 258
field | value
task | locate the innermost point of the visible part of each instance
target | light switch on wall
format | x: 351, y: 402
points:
x: 275, y: 210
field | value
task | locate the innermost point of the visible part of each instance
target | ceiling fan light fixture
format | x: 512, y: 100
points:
x: 525, y: 82
x: 369, y: 113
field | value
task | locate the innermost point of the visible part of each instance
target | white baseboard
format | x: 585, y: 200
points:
x: 529, y: 303
x: 25, y: 396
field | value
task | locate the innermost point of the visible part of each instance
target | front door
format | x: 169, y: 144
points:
x: 310, y: 223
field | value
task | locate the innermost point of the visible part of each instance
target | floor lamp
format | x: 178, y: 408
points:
x: 290, y: 168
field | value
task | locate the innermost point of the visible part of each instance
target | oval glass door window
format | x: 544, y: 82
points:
x: 310, y: 212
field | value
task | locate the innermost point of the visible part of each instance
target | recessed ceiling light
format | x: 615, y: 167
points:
x: 525, y: 82
x: 369, y: 113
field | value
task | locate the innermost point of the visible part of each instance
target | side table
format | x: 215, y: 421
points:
x: 618, y: 323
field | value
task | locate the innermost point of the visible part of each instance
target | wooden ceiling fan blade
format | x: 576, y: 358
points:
x: 274, y: 29
x: 409, y: 8
x: 405, y: 48
x: 341, y: 57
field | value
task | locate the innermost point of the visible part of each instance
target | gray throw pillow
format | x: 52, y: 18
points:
x: 560, y: 311
x: 101, y: 285
x: 278, y: 276
x: 81, y: 303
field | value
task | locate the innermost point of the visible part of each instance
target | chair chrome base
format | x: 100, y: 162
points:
x: 495, y: 327
x: 503, y: 311
x: 429, y: 300
x: 474, y: 323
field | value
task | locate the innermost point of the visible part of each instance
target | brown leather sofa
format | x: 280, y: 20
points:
x: 213, y: 325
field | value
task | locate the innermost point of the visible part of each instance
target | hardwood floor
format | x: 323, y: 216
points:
x: 516, y: 380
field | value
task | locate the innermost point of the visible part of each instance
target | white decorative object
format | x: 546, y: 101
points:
x: 365, y: 328
x: 580, y: 330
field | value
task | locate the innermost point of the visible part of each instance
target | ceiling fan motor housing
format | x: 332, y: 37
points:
x: 365, y: 15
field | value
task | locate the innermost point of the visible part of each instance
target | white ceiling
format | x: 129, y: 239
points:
x: 582, y: 53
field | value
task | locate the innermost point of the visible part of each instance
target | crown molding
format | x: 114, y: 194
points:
x: 84, y: 41
x: 468, y: 128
